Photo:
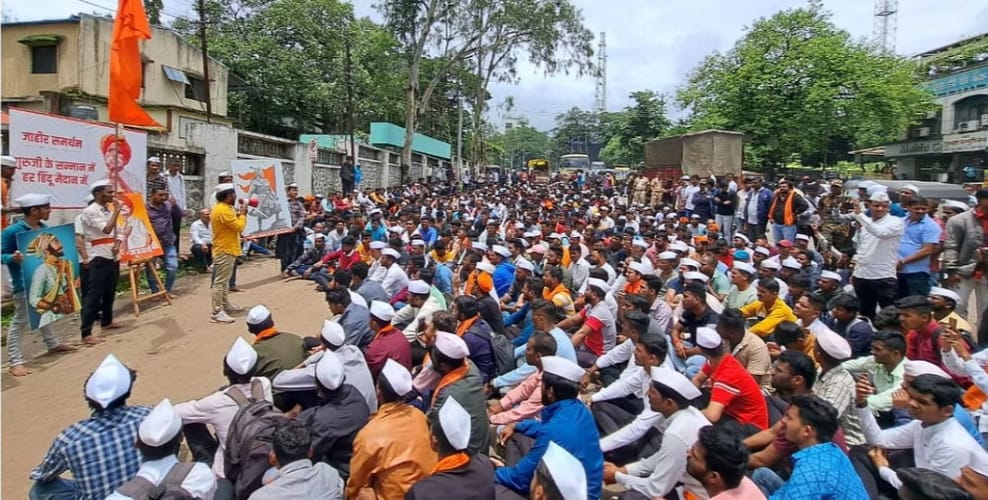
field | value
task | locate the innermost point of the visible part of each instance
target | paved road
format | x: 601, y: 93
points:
x: 176, y: 351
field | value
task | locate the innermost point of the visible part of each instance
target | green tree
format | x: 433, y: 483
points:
x: 489, y: 34
x: 290, y: 56
x: 549, y: 34
x: 631, y: 128
x: 517, y: 145
x: 575, y: 129
x: 796, y: 84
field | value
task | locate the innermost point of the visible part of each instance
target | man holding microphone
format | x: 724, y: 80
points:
x: 227, y: 224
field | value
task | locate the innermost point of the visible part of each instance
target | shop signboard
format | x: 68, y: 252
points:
x: 959, y: 143
x: 914, y: 148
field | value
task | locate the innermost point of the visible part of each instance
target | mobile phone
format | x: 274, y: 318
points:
x: 952, y: 323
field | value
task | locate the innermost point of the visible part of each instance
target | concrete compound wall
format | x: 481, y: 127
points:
x: 221, y: 144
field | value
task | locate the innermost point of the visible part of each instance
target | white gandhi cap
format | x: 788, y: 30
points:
x: 110, y: 381
x: 161, y: 425
x: 675, y: 381
x: 329, y: 371
x: 708, y: 337
x: 567, y: 472
x: 257, y: 314
x: 241, y: 357
x: 455, y: 422
x: 332, y: 332
x: 451, y: 345
x: 833, y: 344
x: 563, y: 367
x: 382, y: 310
x: 397, y: 376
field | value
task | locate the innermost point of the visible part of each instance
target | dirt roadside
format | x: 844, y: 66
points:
x: 176, y: 351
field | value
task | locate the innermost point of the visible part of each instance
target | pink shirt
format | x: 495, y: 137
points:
x: 747, y: 490
x: 522, y: 402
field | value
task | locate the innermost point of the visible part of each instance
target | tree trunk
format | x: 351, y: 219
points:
x: 411, y: 122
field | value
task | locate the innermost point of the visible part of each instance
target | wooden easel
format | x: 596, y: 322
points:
x: 136, y: 268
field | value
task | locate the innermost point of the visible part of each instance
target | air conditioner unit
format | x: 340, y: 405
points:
x: 984, y: 120
x: 969, y: 125
x: 923, y: 132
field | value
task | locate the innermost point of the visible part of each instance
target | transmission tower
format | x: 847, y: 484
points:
x: 600, y: 92
x: 886, y: 13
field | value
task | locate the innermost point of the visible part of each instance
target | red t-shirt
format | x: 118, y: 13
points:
x: 735, y: 388
x: 594, y: 341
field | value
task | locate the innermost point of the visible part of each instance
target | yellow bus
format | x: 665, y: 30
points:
x: 539, y: 170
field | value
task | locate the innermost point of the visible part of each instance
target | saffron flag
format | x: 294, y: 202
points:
x: 130, y: 25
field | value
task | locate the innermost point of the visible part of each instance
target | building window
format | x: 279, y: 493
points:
x: 969, y: 111
x: 196, y: 89
x: 44, y: 59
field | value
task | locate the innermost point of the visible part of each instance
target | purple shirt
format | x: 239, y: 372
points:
x: 161, y: 222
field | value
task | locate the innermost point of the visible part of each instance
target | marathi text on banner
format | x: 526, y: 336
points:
x: 137, y: 238
x: 50, y: 270
x: 63, y: 156
x: 263, y: 184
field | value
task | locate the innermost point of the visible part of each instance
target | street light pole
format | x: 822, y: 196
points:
x: 459, y: 138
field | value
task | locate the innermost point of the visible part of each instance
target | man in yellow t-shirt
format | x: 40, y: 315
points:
x: 769, y: 308
x: 227, y: 224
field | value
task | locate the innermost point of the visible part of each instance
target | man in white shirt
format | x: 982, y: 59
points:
x: 669, y: 396
x: 579, y: 268
x: 875, y: 280
x: 176, y: 192
x: 201, y: 236
x: 394, y: 278
x: 218, y: 409
x: 377, y: 272
x: 334, y: 240
x: 938, y: 441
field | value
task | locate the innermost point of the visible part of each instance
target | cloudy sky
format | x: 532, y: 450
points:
x: 651, y: 44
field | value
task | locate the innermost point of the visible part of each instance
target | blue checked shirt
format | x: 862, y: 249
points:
x: 822, y: 471
x: 99, y: 451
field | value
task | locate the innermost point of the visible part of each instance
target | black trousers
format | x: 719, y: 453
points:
x: 201, y: 258
x: 177, y: 229
x: 285, y: 249
x: 103, y: 277
x: 83, y: 282
x: 614, y: 414
x: 875, y: 293
x: 646, y: 446
x: 347, y: 186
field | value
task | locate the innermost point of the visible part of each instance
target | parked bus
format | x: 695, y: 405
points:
x: 568, y: 164
x: 539, y: 169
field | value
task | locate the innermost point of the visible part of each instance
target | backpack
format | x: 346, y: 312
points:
x: 170, y: 488
x: 504, y: 354
x: 248, y: 441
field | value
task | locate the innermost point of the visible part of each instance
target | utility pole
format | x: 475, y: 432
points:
x: 459, y: 138
x: 205, y: 59
x: 349, y: 90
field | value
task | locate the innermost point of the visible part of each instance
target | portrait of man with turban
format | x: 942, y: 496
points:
x: 116, y: 155
x: 53, y: 284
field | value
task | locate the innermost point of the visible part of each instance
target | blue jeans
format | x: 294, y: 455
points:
x: 171, y: 270
x: 782, y: 232
x: 56, y: 489
x: 767, y: 480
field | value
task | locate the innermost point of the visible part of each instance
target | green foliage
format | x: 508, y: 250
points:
x: 631, y: 128
x: 577, y: 125
x: 795, y: 84
x: 517, y: 145
x: 290, y: 54
x: 955, y: 59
